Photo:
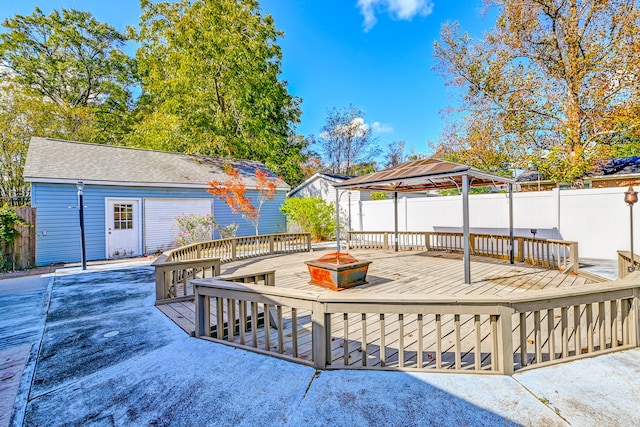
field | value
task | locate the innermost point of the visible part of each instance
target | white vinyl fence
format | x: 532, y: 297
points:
x: 598, y: 219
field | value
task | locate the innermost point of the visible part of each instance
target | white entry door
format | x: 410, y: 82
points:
x: 123, y: 228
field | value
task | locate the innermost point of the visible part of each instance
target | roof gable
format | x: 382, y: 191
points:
x: 316, y: 176
x: 50, y: 160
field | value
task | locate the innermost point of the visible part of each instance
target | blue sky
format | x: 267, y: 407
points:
x: 374, y: 54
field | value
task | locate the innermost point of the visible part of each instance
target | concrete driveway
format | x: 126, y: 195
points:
x: 99, y: 353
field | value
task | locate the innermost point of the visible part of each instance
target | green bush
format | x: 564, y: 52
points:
x: 194, y: 228
x: 313, y: 215
x: 9, y: 219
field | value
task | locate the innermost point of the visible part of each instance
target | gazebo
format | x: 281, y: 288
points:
x: 430, y: 174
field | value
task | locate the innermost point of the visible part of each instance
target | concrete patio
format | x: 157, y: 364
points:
x: 91, y: 349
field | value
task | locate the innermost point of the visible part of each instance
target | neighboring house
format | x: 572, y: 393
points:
x: 321, y: 185
x: 131, y: 198
x: 606, y: 174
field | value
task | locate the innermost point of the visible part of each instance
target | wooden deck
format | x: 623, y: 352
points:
x: 426, y: 273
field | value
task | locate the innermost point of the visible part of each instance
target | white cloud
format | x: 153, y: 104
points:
x: 357, y: 127
x: 378, y: 127
x: 398, y: 9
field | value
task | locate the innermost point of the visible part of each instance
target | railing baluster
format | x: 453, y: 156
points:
x: 564, y: 314
x: 419, y: 359
x: 294, y: 331
x: 243, y: 322
x: 478, y: 347
x: 231, y: 319
x: 438, y: 341
x: 590, y: 328
x: 524, y: 355
x: 280, y: 330
x: 345, y: 340
x: 624, y: 307
x: 383, y: 349
x: 551, y: 323
x: 267, y: 327
x: 537, y: 336
x: 577, y: 330
x: 363, y: 344
x: 602, y: 326
x: 254, y: 323
x: 401, y: 340
x: 219, y: 318
x: 613, y: 309
x: 495, y: 348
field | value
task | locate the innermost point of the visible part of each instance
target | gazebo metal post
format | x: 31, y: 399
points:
x: 337, y: 220
x: 511, y: 239
x: 395, y: 217
x: 465, y: 229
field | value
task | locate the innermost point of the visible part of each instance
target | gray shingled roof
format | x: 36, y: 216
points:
x: 56, y: 160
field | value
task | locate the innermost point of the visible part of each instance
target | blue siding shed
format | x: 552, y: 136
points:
x: 55, y: 196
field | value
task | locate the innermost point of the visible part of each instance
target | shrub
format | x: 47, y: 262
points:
x: 379, y: 195
x: 9, y: 219
x: 194, y: 228
x: 313, y: 215
x: 228, y: 231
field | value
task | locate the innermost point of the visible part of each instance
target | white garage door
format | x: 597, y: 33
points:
x: 160, y: 220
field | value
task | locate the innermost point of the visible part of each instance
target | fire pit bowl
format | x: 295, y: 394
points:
x: 338, y: 271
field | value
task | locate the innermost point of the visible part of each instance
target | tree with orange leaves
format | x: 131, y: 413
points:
x: 234, y: 193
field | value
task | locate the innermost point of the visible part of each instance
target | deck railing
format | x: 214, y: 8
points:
x: 624, y: 263
x: 487, y: 335
x: 549, y: 253
x: 176, y: 268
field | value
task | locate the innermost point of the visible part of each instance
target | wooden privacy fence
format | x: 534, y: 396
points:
x: 174, y: 269
x: 22, y: 253
x: 549, y: 253
x: 486, y: 335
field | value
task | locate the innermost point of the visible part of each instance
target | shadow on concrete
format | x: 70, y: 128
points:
x: 109, y: 358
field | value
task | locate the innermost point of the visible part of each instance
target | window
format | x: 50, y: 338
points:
x: 122, y: 216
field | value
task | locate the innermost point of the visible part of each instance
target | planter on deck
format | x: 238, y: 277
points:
x: 338, y: 271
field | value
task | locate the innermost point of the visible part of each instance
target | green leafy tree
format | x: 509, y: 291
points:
x: 77, y: 63
x: 22, y: 114
x: 555, y: 82
x: 210, y: 84
x: 312, y: 214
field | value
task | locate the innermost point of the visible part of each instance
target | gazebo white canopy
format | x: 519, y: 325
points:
x: 430, y: 174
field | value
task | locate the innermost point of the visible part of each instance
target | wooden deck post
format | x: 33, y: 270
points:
x: 202, y: 303
x: 634, y: 333
x: 573, y: 253
x: 233, y: 249
x: 319, y: 343
x: 160, y: 284
x: 505, y: 341
x: 521, y: 255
